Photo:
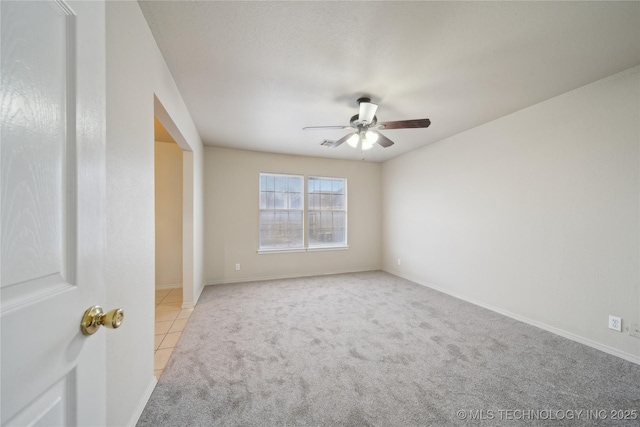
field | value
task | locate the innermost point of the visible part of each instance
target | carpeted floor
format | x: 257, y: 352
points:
x: 373, y: 349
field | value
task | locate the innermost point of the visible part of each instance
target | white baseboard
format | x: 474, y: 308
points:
x: 187, y: 305
x: 169, y: 286
x: 143, y: 402
x: 561, y: 332
x: 261, y: 278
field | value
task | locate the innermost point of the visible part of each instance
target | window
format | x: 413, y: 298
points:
x: 281, y: 211
x: 327, y: 214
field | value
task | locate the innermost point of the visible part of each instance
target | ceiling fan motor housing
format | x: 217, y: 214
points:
x: 355, y: 122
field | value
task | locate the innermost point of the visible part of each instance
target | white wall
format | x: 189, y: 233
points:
x: 138, y: 84
x: 536, y: 215
x: 168, y: 210
x: 232, y: 221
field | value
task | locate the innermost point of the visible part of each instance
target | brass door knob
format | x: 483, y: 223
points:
x: 94, y: 317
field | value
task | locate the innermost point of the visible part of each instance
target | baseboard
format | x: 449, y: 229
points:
x: 261, y: 278
x: 565, y: 334
x: 188, y: 305
x: 169, y: 286
x: 143, y: 402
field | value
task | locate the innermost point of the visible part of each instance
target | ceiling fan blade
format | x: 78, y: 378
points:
x: 325, y: 127
x: 367, y: 112
x: 383, y: 141
x: 341, y: 140
x: 405, y: 124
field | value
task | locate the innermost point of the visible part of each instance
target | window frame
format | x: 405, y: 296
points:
x: 305, y: 214
x: 286, y: 209
x: 344, y: 210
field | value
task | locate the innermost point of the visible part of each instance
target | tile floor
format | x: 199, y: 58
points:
x: 170, y: 321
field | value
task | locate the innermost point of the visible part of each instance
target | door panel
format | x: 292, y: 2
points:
x: 52, y: 211
x: 36, y: 65
x: 52, y: 408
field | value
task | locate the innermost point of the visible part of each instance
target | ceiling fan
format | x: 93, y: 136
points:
x: 367, y: 127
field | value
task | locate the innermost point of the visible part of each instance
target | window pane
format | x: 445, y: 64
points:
x: 295, y: 185
x: 281, y: 183
x: 281, y: 220
x: 338, y: 229
x: 314, y: 185
x: 326, y: 221
x: 281, y: 204
x: 325, y: 201
x: 325, y: 185
x: 337, y: 202
x: 339, y: 220
x: 295, y: 201
x: 338, y: 236
x: 315, y: 234
x: 269, y: 180
x: 295, y: 218
x: 266, y: 228
x: 327, y: 212
x: 294, y: 228
x: 280, y: 200
x: 314, y: 220
x: 291, y: 230
x: 314, y: 201
x: 270, y: 200
x: 266, y: 219
x: 337, y: 186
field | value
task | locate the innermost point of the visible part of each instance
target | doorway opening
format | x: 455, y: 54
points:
x: 168, y: 257
x: 173, y: 170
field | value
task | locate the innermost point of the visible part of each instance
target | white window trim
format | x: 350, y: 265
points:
x: 345, y: 245
x: 328, y: 248
x: 305, y: 211
x: 304, y: 204
x: 311, y: 249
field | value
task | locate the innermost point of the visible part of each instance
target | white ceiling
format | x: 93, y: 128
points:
x: 253, y: 74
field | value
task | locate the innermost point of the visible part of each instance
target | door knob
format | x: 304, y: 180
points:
x: 94, y: 317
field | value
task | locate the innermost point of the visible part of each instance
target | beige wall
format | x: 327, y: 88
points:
x: 231, y: 217
x: 168, y: 192
x: 535, y: 215
x: 139, y: 86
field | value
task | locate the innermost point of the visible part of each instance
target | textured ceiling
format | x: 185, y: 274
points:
x: 253, y: 74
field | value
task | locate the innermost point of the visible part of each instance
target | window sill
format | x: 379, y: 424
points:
x: 327, y: 248
x: 294, y: 250
x: 280, y: 251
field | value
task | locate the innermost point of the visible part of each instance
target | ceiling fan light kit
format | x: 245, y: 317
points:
x: 365, y: 139
x: 366, y: 125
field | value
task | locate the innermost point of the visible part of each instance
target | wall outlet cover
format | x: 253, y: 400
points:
x: 615, y: 323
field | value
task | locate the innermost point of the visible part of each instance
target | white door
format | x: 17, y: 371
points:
x: 52, y: 203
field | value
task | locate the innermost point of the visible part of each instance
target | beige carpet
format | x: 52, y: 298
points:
x: 373, y: 349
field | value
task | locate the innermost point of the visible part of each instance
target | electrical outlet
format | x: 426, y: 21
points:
x: 615, y: 323
x: 634, y: 330
x: 238, y: 267
x: 399, y: 261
